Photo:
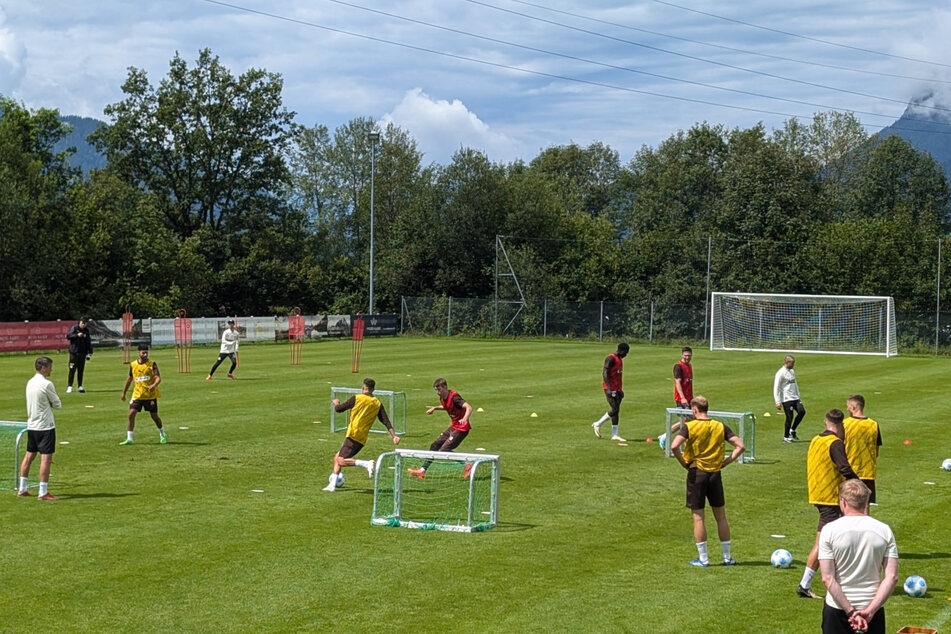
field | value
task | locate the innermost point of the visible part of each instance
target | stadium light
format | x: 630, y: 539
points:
x: 374, y: 138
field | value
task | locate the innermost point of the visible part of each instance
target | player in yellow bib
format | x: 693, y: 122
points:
x: 364, y: 410
x: 863, y: 438
x: 144, y: 373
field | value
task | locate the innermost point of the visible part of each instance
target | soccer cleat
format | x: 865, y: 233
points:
x: 617, y: 438
x: 126, y: 442
x: 24, y: 494
x: 208, y: 378
x: 232, y: 377
x: 69, y: 390
x: 466, y: 471
x: 81, y: 389
x: 806, y: 593
x: 597, y: 429
x: 163, y: 439
x: 48, y: 497
x: 418, y: 472
x: 696, y: 563
x: 330, y: 487
x: 787, y: 439
x: 794, y: 435
x: 729, y: 561
x: 662, y: 441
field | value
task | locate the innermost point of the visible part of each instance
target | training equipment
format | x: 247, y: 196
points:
x: 296, y: 331
x: 393, y: 402
x: 781, y: 558
x: 10, y: 434
x: 946, y: 465
x: 183, y: 341
x: 358, y: 328
x: 444, y: 499
x: 743, y: 425
x: 915, y: 586
x: 830, y: 324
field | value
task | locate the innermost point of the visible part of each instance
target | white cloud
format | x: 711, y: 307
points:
x: 441, y: 127
x: 12, y: 59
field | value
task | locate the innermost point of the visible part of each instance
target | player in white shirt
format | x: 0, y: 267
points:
x: 41, y: 400
x: 786, y: 395
x: 228, y: 350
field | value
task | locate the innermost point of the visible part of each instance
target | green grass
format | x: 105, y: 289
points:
x: 593, y: 536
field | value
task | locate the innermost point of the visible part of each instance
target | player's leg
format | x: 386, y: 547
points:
x: 234, y: 364
x: 596, y: 425
x: 134, y: 408
x: 800, y: 410
x: 46, y: 460
x: 80, y: 370
x: 28, y: 458
x: 809, y: 572
x: 152, y: 409
x: 696, y: 501
x: 72, y: 373
x: 788, y: 410
x: 442, y: 439
x: 615, y: 415
x: 221, y: 357
x: 718, y: 505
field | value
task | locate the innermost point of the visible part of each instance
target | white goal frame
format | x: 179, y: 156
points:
x: 393, y: 402
x: 388, y: 505
x: 746, y: 429
x: 817, y: 323
x: 19, y: 429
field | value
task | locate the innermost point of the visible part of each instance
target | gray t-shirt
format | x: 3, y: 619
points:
x: 41, y: 400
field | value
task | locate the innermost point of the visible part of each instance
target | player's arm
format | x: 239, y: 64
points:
x: 460, y: 402
x: 837, y: 454
x: 679, y: 383
x: 383, y: 418
x: 738, y: 446
x: 606, y: 370
x: 679, y: 440
x: 128, y: 382
x: 831, y: 581
x: 72, y: 335
x: 778, y: 388
x: 347, y: 404
x: 884, y: 589
x: 436, y: 408
x: 52, y: 396
x: 158, y: 377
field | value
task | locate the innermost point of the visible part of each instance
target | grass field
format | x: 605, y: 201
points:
x: 592, y: 536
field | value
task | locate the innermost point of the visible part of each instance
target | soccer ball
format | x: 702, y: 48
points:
x: 340, y: 479
x: 781, y: 558
x: 946, y: 465
x: 915, y: 586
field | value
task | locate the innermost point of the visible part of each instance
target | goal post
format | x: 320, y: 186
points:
x: 743, y: 425
x: 459, y: 491
x: 10, y: 435
x: 393, y: 402
x: 830, y: 324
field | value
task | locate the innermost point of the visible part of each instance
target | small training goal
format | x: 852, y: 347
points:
x: 393, y: 402
x: 803, y: 323
x: 743, y: 425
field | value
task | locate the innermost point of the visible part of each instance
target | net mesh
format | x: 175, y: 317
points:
x: 743, y: 425
x: 803, y: 323
x: 393, y: 402
x: 459, y: 492
x: 10, y: 440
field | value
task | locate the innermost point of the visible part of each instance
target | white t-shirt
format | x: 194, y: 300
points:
x: 785, y: 387
x: 41, y: 400
x: 229, y: 341
x: 859, y: 545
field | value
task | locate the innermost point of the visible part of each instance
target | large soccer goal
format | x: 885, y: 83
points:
x: 803, y: 323
x: 743, y: 425
x: 460, y: 491
x: 393, y: 402
x: 10, y: 435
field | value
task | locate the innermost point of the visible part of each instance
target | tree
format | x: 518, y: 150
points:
x: 210, y: 146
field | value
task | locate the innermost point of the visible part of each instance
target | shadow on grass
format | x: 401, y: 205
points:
x: 903, y: 555
x: 81, y: 496
x: 512, y: 527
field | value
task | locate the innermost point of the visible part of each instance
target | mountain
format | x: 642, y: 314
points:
x: 86, y: 156
x: 926, y: 125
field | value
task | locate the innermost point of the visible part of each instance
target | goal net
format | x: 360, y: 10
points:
x: 803, y: 323
x: 459, y: 491
x: 743, y: 425
x: 393, y: 402
x: 10, y: 436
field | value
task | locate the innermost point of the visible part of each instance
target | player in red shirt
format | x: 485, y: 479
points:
x: 459, y: 412
x: 613, y: 392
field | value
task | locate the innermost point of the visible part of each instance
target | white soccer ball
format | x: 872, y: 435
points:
x: 340, y: 479
x: 946, y: 465
x: 915, y: 586
x: 781, y: 558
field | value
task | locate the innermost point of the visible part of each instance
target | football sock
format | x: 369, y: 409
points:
x: 702, y: 551
x: 161, y: 431
x: 614, y: 430
x: 807, y: 576
x: 601, y: 420
x: 43, y: 488
x: 23, y: 485
x: 726, y: 549
x: 128, y: 436
x: 362, y: 463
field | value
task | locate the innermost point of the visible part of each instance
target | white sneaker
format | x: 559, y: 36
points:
x: 69, y: 390
x: 330, y: 487
x: 82, y: 390
x: 617, y: 438
x: 597, y: 429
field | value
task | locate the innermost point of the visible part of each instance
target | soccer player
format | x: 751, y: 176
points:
x: 827, y: 467
x: 699, y: 446
x: 459, y: 412
x: 859, y: 561
x: 364, y: 409
x: 683, y: 391
x: 613, y: 392
x: 41, y: 400
x: 786, y: 395
x: 228, y: 350
x: 863, y: 438
x: 80, y: 351
x: 145, y: 374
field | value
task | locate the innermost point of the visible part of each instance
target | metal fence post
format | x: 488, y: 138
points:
x: 449, y: 319
x: 544, y: 318
x: 650, y: 330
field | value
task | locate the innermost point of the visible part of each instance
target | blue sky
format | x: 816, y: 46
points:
x: 509, y: 77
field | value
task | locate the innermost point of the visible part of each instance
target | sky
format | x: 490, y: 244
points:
x: 507, y: 77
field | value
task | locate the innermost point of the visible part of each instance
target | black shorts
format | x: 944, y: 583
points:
x: 448, y: 440
x: 41, y: 441
x: 149, y: 405
x: 349, y: 448
x: 834, y: 621
x: 702, y: 486
x: 827, y: 513
x: 871, y: 487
